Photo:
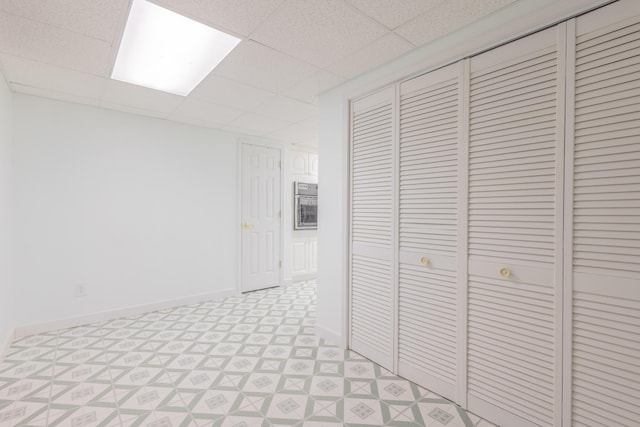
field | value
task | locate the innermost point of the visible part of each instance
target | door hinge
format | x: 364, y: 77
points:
x: 280, y: 164
x: 280, y: 264
x: 280, y: 214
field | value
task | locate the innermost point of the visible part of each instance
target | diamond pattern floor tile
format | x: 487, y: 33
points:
x: 245, y: 361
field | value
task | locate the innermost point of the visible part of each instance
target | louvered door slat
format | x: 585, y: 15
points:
x: 514, y: 141
x: 372, y: 221
x: 605, y: 218
x: 428, y: 202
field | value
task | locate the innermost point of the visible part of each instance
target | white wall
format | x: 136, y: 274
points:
x: 516, y: 19
x: 138, y: 209
x: 7, y: 313
x: 332, y: 223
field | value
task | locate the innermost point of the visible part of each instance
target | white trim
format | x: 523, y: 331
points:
x: 346, y: 223
x: 239, y: 214
x: 54, y: 325
x: 558, y: 280
x: 462, y: 275
x: 347, y: 230
x: 395, y: 233
x: 295, y: 278
x: 567, y: 263
x: 331, y: 337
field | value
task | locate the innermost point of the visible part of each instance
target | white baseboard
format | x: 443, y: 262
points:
x: 303, y: 277
x: 331, y: 337
x: 38, y: 328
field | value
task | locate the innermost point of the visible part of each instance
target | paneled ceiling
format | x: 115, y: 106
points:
x: 291, y: 51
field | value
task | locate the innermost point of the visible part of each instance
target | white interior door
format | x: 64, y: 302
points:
x: 602, y: 376
x: 430, y: 116
x: 515, y: 217
x: 373, y: 290
x: 261, y: 217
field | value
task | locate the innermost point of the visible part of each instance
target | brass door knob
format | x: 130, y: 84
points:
x: 246, y: 225
x: 505, y: 272
x: 424, y: 260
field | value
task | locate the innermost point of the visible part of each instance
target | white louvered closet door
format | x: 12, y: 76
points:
x: 604, y: 362
x: 430, y: 117
x: 516, y: 132
x: 372, y: 267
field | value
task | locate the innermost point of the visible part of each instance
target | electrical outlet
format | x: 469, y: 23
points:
x: 81, y: 290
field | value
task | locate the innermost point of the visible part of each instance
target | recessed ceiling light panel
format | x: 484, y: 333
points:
x: 163, y: 50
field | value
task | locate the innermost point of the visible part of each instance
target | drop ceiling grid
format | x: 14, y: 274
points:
x: 126, y: 94
x: 260, y: 66
x: 281, y: 106
x: 97, y: 19
x: 319, y: 32
x: 392, y: 13
x: 382, y: 50
x: 27, y: 72
x: 34, y: 40
x: 238, y: 17
x: 257, y: 124
x: 291, y: 51
x: 204, y: 113
x: 447, y: 17
x: 229, y: 93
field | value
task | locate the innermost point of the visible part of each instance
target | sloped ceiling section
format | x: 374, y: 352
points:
x: 291, y: 50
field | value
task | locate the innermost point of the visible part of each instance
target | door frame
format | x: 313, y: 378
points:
x: 266, y: 144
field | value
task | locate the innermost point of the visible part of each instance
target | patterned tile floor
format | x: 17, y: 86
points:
x: 244, y: 361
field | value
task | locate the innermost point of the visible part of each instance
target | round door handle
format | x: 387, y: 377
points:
x: 424, y: 260
x: 246, y: 225
x: 505, y: 272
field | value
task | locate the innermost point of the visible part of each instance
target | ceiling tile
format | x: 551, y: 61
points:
x: 318, y: 31
x: 134, y: 110
x: 447, y: 18
x: 238, y: 16
x: 140, y: 97
x: 292, y: 109
x: 198, y: 111
x: 308, y: 89
x: 34, y: 74
x: 252, y: 122
x: 297, y: 134
x: 223, y: 91
x: 262, y: 67
x: 241, y: 131
x: 95, y: 18
x: 393, y: 13
x: 45, y: 43
x: 294, y: 50
x: 379, y: 52
x: 52, y: 94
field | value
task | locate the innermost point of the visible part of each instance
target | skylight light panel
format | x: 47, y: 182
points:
x: 163, y: 50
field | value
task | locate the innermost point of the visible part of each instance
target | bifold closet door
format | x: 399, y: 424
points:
x: 372, y: 266
x: 516, y: 135
x: 604, y: 362
x: 430, y: 120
